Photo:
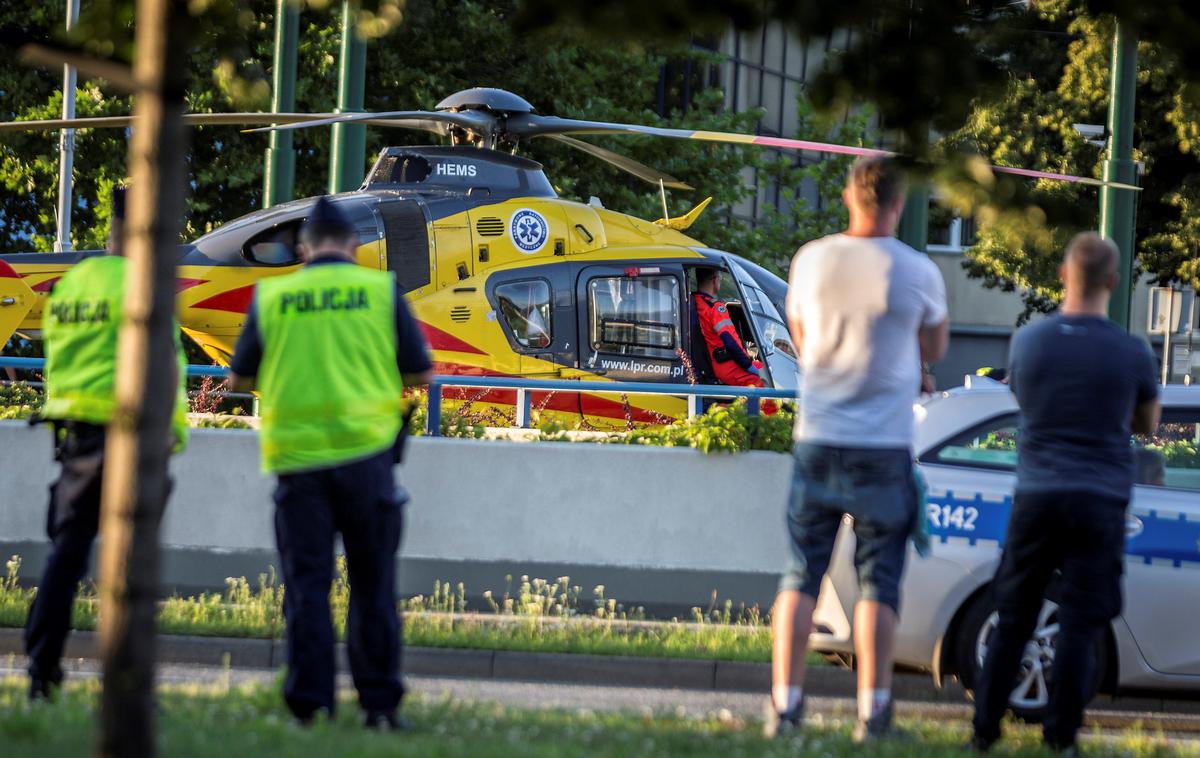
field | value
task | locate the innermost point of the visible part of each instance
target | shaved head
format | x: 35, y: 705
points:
x: 876, y: 184
x: 1090, y: 265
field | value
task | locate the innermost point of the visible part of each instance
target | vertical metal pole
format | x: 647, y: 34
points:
x: 66, y: 146
x: 1167, y: 333
x: 523, y: 408
x: 1117, y: 206
x: 349, y: 140
x: 914, y: 224
x: 433, y: 414
x: 279, y: 169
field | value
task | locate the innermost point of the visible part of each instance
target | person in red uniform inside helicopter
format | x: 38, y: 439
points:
x: 731, y: 364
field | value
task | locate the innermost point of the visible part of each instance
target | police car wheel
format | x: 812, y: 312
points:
x: 1030, y: 697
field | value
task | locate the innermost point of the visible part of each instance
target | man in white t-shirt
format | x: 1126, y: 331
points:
x: 866, y: 313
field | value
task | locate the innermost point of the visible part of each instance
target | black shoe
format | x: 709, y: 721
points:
x: 1068, y: 750
x: 41, y: 689
x: 385, y: 721
x: 979, y: 744
x: 876, y: 727
x: 776, y: 724
x: 308, y: 718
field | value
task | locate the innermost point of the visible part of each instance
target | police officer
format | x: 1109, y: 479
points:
x: 331, y: 348
x: 83, y: 317
x: 730, y: 363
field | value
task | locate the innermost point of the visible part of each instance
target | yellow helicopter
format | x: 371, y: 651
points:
x: 506, y: 278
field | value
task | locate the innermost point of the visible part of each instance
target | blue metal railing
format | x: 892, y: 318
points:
x: 36, y: 364
x: 525, y: 387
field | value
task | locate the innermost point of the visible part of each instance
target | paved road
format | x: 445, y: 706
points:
x: 584, y: 698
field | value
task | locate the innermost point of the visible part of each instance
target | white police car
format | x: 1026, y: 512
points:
x: 966, y: 445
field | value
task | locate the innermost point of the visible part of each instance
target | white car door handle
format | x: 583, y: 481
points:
x: 1133, y: 526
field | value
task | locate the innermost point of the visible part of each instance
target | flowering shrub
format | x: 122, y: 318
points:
x: 19, y: 400
x: 723, y: 429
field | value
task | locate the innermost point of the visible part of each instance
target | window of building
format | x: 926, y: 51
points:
x: 525, y: 308
x: 635, y: 315
x: 941, y: 226
x: 949, y: 233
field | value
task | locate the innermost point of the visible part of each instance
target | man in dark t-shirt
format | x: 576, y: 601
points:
x: 1083, y: 386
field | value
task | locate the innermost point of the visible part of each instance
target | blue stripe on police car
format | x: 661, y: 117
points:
x: 1161, y: 537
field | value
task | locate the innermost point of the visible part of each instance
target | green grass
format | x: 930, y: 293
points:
x: 251, y: 721
x: 535, y: 616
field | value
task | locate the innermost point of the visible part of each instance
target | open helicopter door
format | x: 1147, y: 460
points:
x: 16, y: 300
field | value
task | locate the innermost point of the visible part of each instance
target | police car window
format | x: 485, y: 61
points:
x: 989, y: 445
x: 635, y: 315
x: 275, y: 246
x: 1171, y: 456
x: 525, y: 308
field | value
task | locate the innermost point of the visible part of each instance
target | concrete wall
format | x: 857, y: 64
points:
x: 657, y: 526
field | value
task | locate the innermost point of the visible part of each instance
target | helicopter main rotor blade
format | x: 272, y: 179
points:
x: 191, y: 119
x: 531, y: 125
x: 433, y: 121
x: 628, y: 165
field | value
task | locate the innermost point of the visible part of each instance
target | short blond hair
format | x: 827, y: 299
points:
x: 877, y: 182
x: 1090, y: 263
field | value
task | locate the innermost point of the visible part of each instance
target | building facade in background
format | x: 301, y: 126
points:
x: 768, y: 68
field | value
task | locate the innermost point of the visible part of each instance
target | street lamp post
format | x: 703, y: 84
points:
x: 914, y: 223
x: 1117, y: 206
x: 66, y: 146
x: 279, y: 174
x: 349, y: 140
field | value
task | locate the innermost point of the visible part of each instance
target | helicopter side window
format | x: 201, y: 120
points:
x: 275, y: 246
x: 635, y: 315
x: 525, y: 308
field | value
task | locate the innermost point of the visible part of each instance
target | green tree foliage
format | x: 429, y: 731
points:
x: 811, y: 190
x: 1003, y: 81
x: 439, y: 47
x: 1059, y: 65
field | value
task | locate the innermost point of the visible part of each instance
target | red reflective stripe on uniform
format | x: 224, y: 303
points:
x: 714, y: 321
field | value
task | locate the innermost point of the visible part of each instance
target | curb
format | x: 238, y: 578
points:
x: 567, y: 668
x: 508, y: 665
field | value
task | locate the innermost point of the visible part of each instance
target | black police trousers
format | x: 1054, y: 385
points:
x: 72, y: 521
x: 1082, y: 535
x: 360, y: 501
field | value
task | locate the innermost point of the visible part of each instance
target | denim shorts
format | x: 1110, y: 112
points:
x: 874, y: 486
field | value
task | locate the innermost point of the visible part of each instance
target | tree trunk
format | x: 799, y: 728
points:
x: 138, y: 448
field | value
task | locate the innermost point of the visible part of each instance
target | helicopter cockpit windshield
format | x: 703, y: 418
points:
x: 764, y: 303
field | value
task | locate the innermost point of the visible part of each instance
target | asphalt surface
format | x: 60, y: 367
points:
x: 1104, y: 725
